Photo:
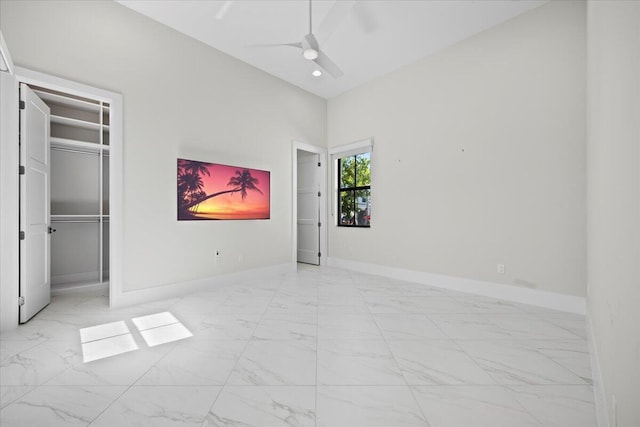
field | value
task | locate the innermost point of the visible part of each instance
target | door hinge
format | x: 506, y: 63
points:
x: 22, y: 105
x: 319, y: 224
x: 22, y: 235
x: 319, y: 254
x: 21, y: 301
x: 319, y: 194
x: 21, y: 170
x: 319, y: 164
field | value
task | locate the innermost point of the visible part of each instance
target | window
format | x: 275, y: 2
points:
x: 354, y: 190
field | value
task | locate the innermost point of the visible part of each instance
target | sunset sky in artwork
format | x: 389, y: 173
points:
x: 231, y: 205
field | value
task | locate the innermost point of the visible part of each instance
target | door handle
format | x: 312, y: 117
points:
x: 52, y: 230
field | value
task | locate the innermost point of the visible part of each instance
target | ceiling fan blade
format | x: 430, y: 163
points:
x: 311, y: 39
x: 365, y: 17
x: 298, y: 45
x: 222, y: 12
x: 337, y: 14
x: 328, y: 65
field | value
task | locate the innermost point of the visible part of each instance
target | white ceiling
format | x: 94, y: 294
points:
x: 369, y: 38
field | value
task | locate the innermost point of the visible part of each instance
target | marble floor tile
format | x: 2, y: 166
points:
x: 14, y: 343
x: 571, y: 354
x: 469, y: 326
x: 357, y: 362
x: 370, y: 406
x: 477, y: 406
x: 347, y: 326
x: 408, y: 327
x: 399, y: 304
x: 289, y: 326
x: 558, y: 405
x: 386, y: 288
x: 276, y: 363
x: 221, y: 326
x: 36, y: 365
x: 165, y: 406
x: 59, y: 406
x: 479, y: 304
x: 121, y: 369
x: 10, y: 393
x: 318, y: 346
x: 515, y: 362
x: 286, y: 406
x: 62, y: 325
x: 437, y: 362
x: 84, y: 303
x: 236, y: 304
x: 197, y: 362
x: 525, y: 326
x: 574, y: 323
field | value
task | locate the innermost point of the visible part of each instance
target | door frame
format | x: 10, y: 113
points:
x: 116, y: 253
x: 322, y: 153
x: 8, y: 193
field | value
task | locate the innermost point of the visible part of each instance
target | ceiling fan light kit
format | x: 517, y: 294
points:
x: 310, y: 53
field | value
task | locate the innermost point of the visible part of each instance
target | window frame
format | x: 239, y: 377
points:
x: 353, y: 190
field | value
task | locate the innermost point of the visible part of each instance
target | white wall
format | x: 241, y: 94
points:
x: 613, y: 208
x: 479, y: 157
x: 181, y: 99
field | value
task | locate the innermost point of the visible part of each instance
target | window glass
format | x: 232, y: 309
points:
x: 354, y: 192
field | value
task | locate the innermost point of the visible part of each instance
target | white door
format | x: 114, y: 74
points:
x: 35, y: 241
x: 308, y: 208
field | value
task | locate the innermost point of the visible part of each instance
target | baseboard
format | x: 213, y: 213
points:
x: 598, y: 388
x: 551, y: 300
x: 79, y: 288
x: 84, y: 277
x: 155, y: 293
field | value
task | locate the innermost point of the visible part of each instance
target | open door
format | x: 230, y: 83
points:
x: 308, y: 208
x: 35, y: 241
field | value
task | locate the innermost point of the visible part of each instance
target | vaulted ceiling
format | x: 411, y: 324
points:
x: 365, y: 39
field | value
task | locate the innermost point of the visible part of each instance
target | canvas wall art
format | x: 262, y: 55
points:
x: 210, y: 191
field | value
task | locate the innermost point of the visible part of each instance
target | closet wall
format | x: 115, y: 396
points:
x: 79, y: 189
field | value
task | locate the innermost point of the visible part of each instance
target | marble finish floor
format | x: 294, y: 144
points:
x: 317, y: 347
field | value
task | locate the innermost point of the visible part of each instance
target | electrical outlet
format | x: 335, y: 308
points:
x: 500, y: 269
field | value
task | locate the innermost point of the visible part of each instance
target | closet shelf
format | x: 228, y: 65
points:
x: 73, y: 144
x: 69, y: 101
x: 79, y: 218
x: 78, y: 123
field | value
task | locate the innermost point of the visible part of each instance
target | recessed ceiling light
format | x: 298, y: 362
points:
x: 316, y: 73
x: 310, y: 54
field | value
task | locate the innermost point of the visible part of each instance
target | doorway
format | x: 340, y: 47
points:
x: 309, y: 204
x: 84, y: 193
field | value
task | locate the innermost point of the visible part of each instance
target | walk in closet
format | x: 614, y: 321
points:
x: 79, y: 179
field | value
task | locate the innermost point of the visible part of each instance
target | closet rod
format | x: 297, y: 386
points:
x: 78, y: 221
x: 71, y: 150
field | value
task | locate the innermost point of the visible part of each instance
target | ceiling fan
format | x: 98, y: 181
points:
x: 311, y: 50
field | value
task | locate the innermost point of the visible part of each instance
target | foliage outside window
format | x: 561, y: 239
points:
x: 354, y: 190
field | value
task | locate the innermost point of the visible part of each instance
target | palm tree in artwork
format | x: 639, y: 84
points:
x: 196, y: 168
x: 242, y: 181
x: 198, y: 196
x: 190, y: 183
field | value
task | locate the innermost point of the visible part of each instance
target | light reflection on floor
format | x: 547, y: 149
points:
x: 161, y: 328
x: 111, y: 339
x: 106, y: 340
